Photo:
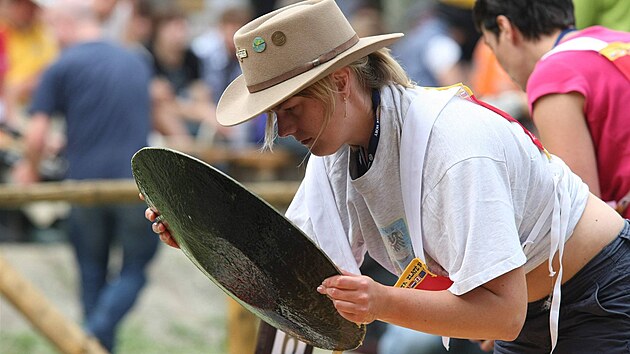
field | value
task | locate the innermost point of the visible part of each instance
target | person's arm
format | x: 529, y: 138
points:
x: 27, y: 170
x: 494, y: 310
x: 165, y: 119
x: 198, y: 107
x: 563, y: 130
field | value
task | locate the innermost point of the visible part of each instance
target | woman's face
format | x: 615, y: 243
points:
x: 509, y: 51
x: 504, y: 53
x: 304, y: 119
x: 173, y: 33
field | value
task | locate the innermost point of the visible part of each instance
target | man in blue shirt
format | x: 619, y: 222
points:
x: 101, y: 90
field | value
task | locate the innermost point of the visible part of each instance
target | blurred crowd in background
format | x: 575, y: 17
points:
x: 187, y: 48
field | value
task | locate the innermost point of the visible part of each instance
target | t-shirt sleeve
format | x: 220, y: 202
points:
x: 46, y: 98
x: 554, y: 75
x: 469, y: 218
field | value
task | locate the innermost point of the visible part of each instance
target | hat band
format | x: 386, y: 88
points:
x: 304, y: 67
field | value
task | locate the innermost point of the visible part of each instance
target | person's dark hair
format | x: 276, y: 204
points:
x: 161, y: 14
x: 166, y: 12
x: 143, y: 8
x: 533, y: 18
x: 238, y: 15
x: 460, y: 24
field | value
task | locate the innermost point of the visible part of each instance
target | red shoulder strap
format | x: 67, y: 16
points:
x: 511, y: 119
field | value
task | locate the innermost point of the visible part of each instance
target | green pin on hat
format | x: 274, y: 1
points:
x: 259, y: 44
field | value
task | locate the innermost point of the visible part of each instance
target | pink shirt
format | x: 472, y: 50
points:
x: 607, y: 104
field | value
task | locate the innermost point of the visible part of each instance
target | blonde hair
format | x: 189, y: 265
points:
x: 372, y: 72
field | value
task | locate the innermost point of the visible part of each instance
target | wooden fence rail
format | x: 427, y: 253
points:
x: 92, y: 192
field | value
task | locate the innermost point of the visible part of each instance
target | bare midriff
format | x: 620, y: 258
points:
x: 598, y: 227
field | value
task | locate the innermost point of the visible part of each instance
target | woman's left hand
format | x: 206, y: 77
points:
x: 358, y: 298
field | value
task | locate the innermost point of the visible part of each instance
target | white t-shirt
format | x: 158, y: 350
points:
x: 484, y: 186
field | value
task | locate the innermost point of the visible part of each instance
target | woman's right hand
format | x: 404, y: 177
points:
x: 159, y: 226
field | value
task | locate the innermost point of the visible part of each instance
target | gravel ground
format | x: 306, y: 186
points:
x: 179, y: 308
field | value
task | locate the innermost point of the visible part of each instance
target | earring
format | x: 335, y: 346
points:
x: 345, y: 107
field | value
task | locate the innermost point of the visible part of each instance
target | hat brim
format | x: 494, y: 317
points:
x: 238, y: 105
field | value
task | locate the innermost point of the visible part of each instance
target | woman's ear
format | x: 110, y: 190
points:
x: 507, y: 30
x: 341, y: 79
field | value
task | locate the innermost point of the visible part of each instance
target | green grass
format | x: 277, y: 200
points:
x: 24, y: 342
x: 180, y: 339
x: 132, y: 339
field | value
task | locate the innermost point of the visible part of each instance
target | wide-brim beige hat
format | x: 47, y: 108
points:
x: 285, y: 51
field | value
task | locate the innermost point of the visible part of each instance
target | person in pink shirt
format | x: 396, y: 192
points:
x: 577, y: 84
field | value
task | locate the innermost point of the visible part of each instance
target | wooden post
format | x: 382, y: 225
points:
x: 66, y: 335
x: 242, y: 328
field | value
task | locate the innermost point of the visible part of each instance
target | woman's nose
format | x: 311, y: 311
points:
x: 285, y: 127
